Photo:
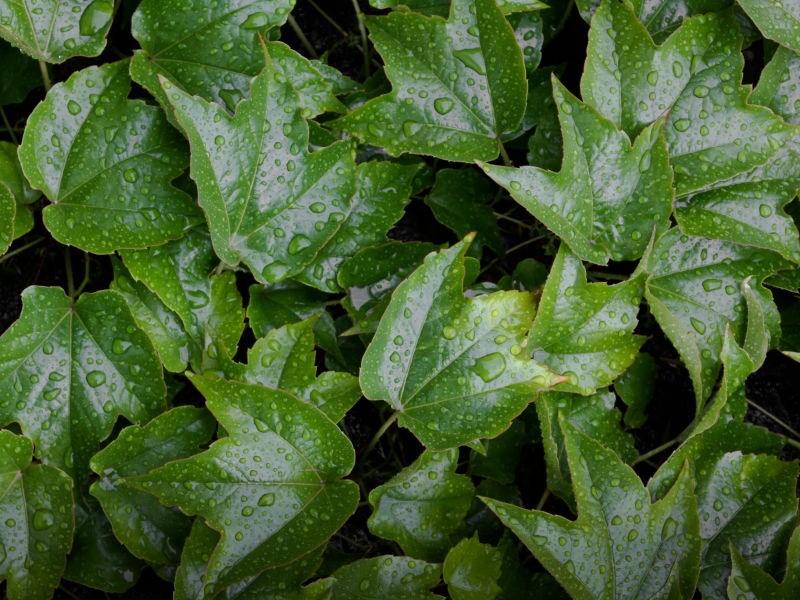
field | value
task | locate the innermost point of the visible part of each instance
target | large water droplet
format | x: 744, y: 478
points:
x: 257, y: 20
x: 698, y: 325
x: 96, y: 16
x: 120, y: 346
x: 710, y: 285
x: 490, y: 367
x: 96, y: 378
x: 275, y: 271
x: 197, y: 298
x: 298, y: 243
x: 443, y: 105
x: 266, y: 500
x: 472, y: 58
x: 42, y: 519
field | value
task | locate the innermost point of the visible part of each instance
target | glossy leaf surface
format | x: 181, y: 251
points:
x: 285, y: 582
x: 778, y: 20
x: 386, y: 578
x: 636, y: 387
x: 749, y: 582
x: 471, y: 570
x: 776, y: 87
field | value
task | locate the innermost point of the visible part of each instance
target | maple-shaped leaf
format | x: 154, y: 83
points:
x: 694, y: 291
x: 608, y: 195
x: 778, y: 20
x: 48, y: 32
x: 777, y: 88
x: 749, y: 582
x: 386, y: 578
x: 107, y: 170
x: 273, y: 488
x: 457, y: 85
x: 148, y: 529
x: 270, y: 203
x: 207, y: 50
x: 471, y: 570
x: 70, y: 369
x: 594, y: 416
x: 585, y: 330
x: 422, y: 504
x: 621, y: 546
x: 36, y: 505
x: 693, y: 81
x: 284, y: 360
x: 382, y: 191
x: 451, y: 366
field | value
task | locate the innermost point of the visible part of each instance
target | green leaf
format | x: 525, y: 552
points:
x: 435, y: 349
x: 8, y: 210
x: 284, y: 360
x: 285, y: 582
x: 480, y: 519
x: 211, y: 51
x: 663, y: 17
x: 757, y: 341
x: 423, y: 503
x: 747, y: 499
x: 36, y: 505
x: 608, y: 491
x: 21, y: 74
x: 502, y: 455
x: 383, y: 190
x: 275, y: 219
x: 540, y: 102
x: 51, y: 33
x: 430, y: 109
x: 635, y: 387
x: 109, y: 182
x: 442, y: 7
x: 596, y: 417
x: 749, y: 582
x: 697, y: 69
x: 471, y: 570
x: 778, y: 20
x: 619, y: 222
x: 276, y: 495
x: 11, y: 175
x: 196, y: 551
x: 776, y: 88
x: 545, y: 146
x: 144, y: 526
x: 97, y: 559
x: 520, y: 584
x: 459, y: 200
x: 338, y: 83
x: 529, y: 32
x: 694, y: 292
x: 386, y: 578
x: 70, y: 370
x: 585, y: 330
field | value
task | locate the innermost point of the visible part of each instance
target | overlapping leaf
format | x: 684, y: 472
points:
x: 636, y: 386
x: 457, y: 85
x: 749, y: 582
x: 777, y: 87
x: 20, y: 190
x: 500, y: 456
x: 450, y: 366
x: 778, y: 20
x: 471, y: 570
x: 286, y: 582
x: 386, y: 578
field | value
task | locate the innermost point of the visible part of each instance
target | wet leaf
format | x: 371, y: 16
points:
x: 8, y: 210
x: 194, y: 560
x: 286, y: 582
x: 776, y: 87
x: 749, y: 582
x: 386, y: 578
x: 501, y: 456
x: 778, y: 20
x: 635, y: 387
x: 471, y: 570
x: 22, y: 193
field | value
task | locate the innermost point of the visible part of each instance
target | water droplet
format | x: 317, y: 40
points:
x: 298, y: 243
x: 42, y: 519
x: 765, y: 211
x: 96, y: 378
x: 197, y: 298
x: 489, y: 367
x: 275, y: 271
x: 710, y: 285
x: 48, y: 348
x: 683, y: 124
x: 652, y: 77
x: 698, y: 325
x: 443, y: 105
x: 677, y: 69
x: 120, y: 347
x: 364, y: 585
x: 449, y: 332
x: 96, y: 16
x: 247, y: 511
x: 472, y: 58
x: 701, y: 91
x: 257, y: 20
x: 73, y: 107
x: 131, y: 175
x: 644, y: 164
x: 266, y: 500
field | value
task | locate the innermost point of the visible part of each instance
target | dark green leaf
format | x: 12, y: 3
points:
x: 8, y: 210
x: 22, y: 192
x: 635, y: 387
x: 546, y: 144
x: 518, y: 583
x: 285, y: 583
x: 21, y: 74
x: 777, y: 87
x: 198, y: 549
x: 778, y: 20
x: 482, y: 520
x: 386, y: 578
x: 471, y: 570
x: 749, y: 582
x: 502, y: 455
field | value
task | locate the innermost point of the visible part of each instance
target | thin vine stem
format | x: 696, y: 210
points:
x: 373, y: 442
x: 8, y: 126
x: 544, y: 498
x: 70, y: 282
x: 513, y: 220
x: 363, y: 30
x: 303, y: 38
x: 506, y: 160
x: 68, y: 593
x: 774, y: 418
x: 85, y: 275
x: 328, y: 18
x: 45, y: 75
x: 654, y: 451
x: 18, y: 250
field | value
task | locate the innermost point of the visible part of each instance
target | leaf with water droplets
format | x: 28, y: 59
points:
x: 452, y: 103
x: 777, y: 86
x: 585, y: 330
x: 749, y: 582
x: 279, y: 205
x: 383, y: 190
x: 36, y: 533
x: 148, y: 529
x: 471, y: 570
x: 546, y: 145
x: 22, y: 193
x: 339, y: 83
x: 8, y: 210
x: 70, y: 370
x: 107, y: 167
x: 48, y: 32
x: 636, y: 386
x: 422, y: 504
x: 692, y: 81
x: 777, y: 20
x: 386, y: 578
x: 603, y: 551
x: 441, y: 8
x: 194, y: 560
x: 449, y: 365
x: 608, y: 195
x: 694, y: 291
x: 501, y: 454
x: 284, y: 360
x: 211, y: 51
x: 273, y: 488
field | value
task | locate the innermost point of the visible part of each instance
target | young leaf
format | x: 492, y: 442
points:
x: 501, y: 456
x: 457, y: 84
x: 694, y: 292
x: 749, y: 582
x: 633, y: 82
x: 594, y: 416
x: 423, y: 503
x: 636, y: 386
x: 386, y: 578
x: 458, y: 200
x: 211, y: 50
x: 471, y: 570
x: 149, y: 530
x: 36, y: 505
x: 383, y: 190
x: 585, y: 330
x: 664, y: 542
x: 107, y: 170
x: 70, y: 370
x: 778, y: 20
x: 777, y: 88
x: 49, y: 32
x: 339, y: 84
x: 286, y: 498
x: 608, y: 195
x: 284, y: 360
x: 450, y: 365
x: 280, y: 204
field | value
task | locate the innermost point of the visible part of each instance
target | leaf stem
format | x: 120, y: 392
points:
x: 68, y: 593
x: 774, y: 418
x: 220, y: 268
x: 45, y: 75
x: 544, y: 498
x: 517, y: 221
x: 363, y: 30
x: 327, y: 18
x: 654, y: 451
x: 351, y: 542
x: 8, y: 126
x: 378, y: 436
x: 525, y: 243
x: 564, y: 18
x: 85, y: 275
x: 70, y: 283
x: 332, y: 302
x: 504, y: 154
x: 18, y: 250
x: 303, y: 38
